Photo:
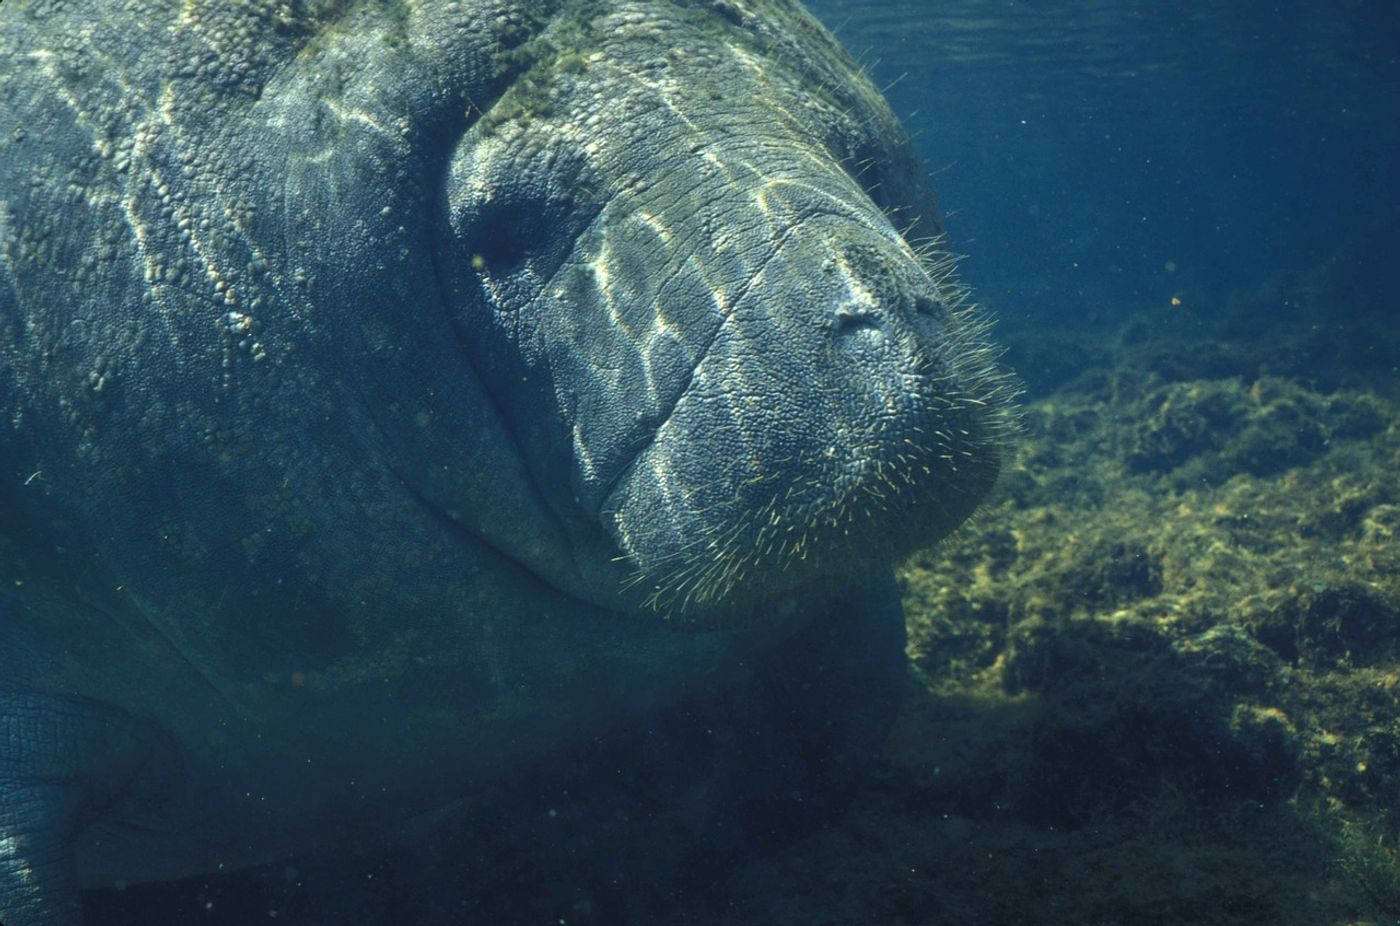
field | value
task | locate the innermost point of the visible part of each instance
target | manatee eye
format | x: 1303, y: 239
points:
x: 514, y: 225
x: 495, y: 241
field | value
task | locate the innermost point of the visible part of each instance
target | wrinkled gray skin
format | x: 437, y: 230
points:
x: 393, y: 391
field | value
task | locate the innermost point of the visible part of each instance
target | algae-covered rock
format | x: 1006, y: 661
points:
x: 1187, y: 602
x: 1350, y: 625
x: 1209, y: 430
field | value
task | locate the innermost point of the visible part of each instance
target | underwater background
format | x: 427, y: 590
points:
x: 1098, y: 157
x: 1157, y: 679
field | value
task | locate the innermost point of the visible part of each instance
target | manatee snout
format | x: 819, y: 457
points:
x: 846, y: 414
x: 688, y: 286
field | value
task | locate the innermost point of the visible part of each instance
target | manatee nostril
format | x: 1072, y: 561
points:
x: 924, y: 305
x: 850, y: 321
x: 858, y: 330
x: 929, y: 318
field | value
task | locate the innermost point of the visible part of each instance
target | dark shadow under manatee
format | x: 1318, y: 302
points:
x: 613, y: 831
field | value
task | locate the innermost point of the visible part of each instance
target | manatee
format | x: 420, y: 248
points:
x: 394, y: 392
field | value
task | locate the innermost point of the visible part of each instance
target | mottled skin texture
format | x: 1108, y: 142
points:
x: 392, y: 391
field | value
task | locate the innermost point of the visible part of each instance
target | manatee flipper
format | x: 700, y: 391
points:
x: 63, y: 763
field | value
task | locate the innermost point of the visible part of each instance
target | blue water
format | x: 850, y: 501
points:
x: 1100, y: 157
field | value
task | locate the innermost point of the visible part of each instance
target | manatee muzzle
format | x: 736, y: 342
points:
x: 844, y: 415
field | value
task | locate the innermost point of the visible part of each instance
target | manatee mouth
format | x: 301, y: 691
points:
x: 730, y: 509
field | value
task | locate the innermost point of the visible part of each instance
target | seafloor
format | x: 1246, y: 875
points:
x: 1156, y: 681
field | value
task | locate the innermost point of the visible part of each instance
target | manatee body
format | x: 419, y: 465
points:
x: 393, y: 393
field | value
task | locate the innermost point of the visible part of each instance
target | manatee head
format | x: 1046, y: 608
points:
x: 692, y: 252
